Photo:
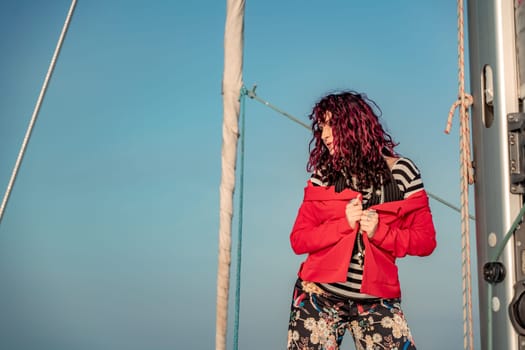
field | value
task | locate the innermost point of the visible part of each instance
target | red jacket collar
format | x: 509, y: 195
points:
x: 327, y: 193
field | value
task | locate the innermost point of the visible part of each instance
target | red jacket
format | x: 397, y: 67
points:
x: 322, y: 231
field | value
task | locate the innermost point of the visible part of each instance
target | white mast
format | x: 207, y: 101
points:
x: 499, y: 170
x: 231, y: 90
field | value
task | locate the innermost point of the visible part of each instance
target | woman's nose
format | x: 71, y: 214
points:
x: 325, y: 134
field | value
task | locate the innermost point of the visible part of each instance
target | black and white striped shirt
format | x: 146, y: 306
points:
x: 407, y: 181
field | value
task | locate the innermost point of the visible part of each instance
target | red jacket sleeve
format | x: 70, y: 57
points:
x: 310, y: 234
x: 415, y: 236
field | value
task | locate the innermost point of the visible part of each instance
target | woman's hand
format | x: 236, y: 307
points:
x: 369, y: 220
x: 354, y: 212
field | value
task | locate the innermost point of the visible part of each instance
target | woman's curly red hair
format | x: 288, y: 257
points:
x: 360, y: 142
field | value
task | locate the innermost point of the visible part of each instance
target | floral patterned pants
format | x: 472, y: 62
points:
x: 319, y: 320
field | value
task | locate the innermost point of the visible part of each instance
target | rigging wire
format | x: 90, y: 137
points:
x: 36, y: 109
x: 501, y: 245
x: 251, y: 94
x: 450, y: 205
x: 239, y: 236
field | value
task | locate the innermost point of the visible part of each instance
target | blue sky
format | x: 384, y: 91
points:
x: 110, y: 237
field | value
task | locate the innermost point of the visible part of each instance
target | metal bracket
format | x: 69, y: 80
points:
x: 516, y: 139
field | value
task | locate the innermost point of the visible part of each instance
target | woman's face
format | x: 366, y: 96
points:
x: 326, y: 132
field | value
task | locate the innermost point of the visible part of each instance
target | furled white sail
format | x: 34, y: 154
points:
x: 231, y: 88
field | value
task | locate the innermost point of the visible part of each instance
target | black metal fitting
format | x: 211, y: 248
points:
x: 494, y: 272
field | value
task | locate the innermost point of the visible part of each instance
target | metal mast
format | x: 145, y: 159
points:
x: 499, y: 153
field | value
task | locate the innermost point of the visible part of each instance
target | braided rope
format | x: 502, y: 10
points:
x: 467, y: 177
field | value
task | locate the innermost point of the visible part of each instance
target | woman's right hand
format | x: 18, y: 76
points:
x: 354, y: 210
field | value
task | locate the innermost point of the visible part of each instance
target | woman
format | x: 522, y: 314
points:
x: 363, y: 207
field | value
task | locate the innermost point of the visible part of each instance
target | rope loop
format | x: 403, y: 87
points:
x: 464, y: 102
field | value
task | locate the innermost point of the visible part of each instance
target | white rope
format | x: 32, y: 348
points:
x: 466, y: 176
x: 36, y: 110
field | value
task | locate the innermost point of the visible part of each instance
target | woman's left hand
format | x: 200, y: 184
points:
x: 369, y: 221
